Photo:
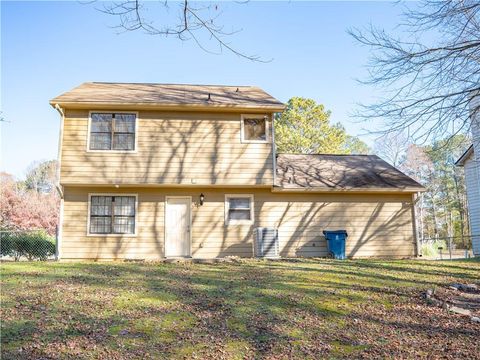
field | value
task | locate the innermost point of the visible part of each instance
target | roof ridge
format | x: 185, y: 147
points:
x: 178, y: 84
x: 168, y: 95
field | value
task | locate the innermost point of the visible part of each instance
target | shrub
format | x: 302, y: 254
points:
x: 430, y: 249
x: 35, y: 245
x: 6, y: 242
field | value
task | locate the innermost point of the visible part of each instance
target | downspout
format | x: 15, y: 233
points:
x: 274, y: 152
x: 57, y: 185
x: 415, y: 199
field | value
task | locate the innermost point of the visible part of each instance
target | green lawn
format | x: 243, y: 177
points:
x: 253, y: 309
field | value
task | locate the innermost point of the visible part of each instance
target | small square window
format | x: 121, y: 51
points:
x: 255, y: 128
x: 238, y: 209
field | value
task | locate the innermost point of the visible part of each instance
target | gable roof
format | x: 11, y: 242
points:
x: 466, y: 155
x: 322, y: 172
x: 168, y: 96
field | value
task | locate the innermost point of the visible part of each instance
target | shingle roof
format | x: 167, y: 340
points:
x: 340, y: 172
x: 465, y: 156
x: 170, y: 95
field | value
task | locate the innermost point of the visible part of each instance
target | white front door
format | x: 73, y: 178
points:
x: 177, y: 226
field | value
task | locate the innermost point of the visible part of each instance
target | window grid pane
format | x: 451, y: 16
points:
x: 239, y: 215
x: 124, y: 205
x: 254, y: 129
x: 100, y: 141
x: 124, y: 225
x: 100, y: 224
x: 101, y: 205
x: 239, y: 203
x: 125, y: 123
x: 124, y: 141
x: 102, y: 123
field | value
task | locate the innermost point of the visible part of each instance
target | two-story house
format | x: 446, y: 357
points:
x: 149, y: 171
x: 470, y: 160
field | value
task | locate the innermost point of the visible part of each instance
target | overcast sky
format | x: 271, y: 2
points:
x: 50, y: 47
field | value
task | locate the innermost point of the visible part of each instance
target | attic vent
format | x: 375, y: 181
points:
x: 266, y: 244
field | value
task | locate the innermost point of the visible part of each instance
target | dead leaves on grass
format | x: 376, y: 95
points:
x: 227, y: 311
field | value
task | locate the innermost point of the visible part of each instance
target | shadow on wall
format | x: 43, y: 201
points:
x: 300, y: 232
x: 174, y: 150
x: 316, y: 247
x: 171, y: 152
x: 380, y: 230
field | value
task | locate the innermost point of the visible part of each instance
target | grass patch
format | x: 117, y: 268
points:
x: 340, y: 349
x: 253, y: 309
x: 16, y: 330
x: 157, y: 299
x: 237, y: 349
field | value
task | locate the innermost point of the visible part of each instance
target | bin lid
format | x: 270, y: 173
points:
x: 333, y: 232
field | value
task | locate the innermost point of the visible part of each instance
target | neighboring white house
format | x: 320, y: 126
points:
x: 470, y: 160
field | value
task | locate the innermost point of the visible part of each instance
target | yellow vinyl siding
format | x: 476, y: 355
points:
x: 379, y: 225
x: 173, y: 148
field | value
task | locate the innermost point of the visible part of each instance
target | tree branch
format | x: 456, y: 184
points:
x: 193, y: 23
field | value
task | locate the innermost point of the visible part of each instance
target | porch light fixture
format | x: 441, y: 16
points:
x: 202, y: 198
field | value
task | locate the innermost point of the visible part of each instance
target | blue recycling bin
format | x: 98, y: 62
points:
x: 336, y: 240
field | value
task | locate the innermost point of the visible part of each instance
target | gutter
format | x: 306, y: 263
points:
x: 349, y: 190
x: 274, y: 152
x: 57, y: 185
x: 416, y: 233
x: 59, y: 151
x: 101, y: 105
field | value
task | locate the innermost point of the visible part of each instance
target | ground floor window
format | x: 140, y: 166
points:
x: 238, y: 209
x: 112, y: 214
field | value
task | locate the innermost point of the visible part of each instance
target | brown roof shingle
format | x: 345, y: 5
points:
x: 170, y: 95
x: 340, y: 172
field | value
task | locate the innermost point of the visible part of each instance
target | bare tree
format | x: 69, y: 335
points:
x: 392, y: 147
x: 419, y: 166
x: 197, y: 21
x: 429, y: 75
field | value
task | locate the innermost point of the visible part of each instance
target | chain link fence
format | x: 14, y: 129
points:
x: 444, y: 248
x: 30, y: 245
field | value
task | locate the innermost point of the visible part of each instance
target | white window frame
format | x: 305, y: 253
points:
x: 137, y: 120
x: 110, y: 234
x: 255, y: 116
x: 227, y: 208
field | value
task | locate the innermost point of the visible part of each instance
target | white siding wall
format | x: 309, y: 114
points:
x: 476, y: 127
x: 472, y: 174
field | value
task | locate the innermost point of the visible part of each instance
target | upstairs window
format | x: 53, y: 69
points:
x: 112, y: 131
x: 238, y: 209
x: 254, y: 128
x: 112, y: 214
